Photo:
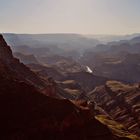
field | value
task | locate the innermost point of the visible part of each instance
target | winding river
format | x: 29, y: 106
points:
x: 89, y: 69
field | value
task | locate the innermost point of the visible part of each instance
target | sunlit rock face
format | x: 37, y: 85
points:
x: 121, y: 102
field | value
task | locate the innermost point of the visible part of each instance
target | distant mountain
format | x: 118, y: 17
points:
x: 63, y: 41
x: 111, y: 38
x: 109, y: 59
x: 135, y: 40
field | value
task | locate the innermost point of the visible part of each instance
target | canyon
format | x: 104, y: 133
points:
x: 57, y: 97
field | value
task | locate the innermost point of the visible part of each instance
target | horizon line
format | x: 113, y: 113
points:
x: 71, y: 33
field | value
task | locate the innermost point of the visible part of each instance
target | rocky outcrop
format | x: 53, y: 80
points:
x: 121, y: 102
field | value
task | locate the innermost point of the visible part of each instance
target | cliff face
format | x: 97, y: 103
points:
x: 121, y: 102
x: 5, y: 51
x: 18, y: 69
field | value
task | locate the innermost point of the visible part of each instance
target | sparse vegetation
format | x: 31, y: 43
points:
x: 117, y: 128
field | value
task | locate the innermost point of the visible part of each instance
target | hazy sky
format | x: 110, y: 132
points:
x: 70, y: 16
